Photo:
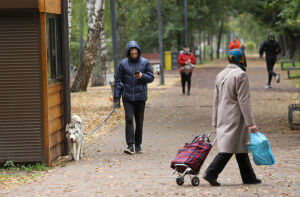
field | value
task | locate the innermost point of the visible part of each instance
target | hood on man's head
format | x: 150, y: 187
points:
x: 271, y: 37
x: 237, y: 57
x: 133, y: 44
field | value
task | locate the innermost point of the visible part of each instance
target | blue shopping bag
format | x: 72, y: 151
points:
x: 260, y: 148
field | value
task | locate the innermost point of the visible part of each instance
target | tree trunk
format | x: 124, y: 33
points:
x: 292, y: 43
x: 227, y: 42
x: 90, y: 6
x: 200, y: 48
x: 121, y: 34
x: 179, y: 46
x: 211, y: 36
x: 101, y: 63
x: 84, y: 72
x: 220, y: 39
x: 204, y: 47
x: 286, y: 49
x: 70, y: 20
x: 81, y: 34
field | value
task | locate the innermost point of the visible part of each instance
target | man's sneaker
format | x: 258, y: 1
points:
x: 277, y: 77
x: 188, y: 93
x: 268, y: 87
x: 129, y: 150
x: 138, y: 150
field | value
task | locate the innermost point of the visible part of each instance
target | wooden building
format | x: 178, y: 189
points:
x: 34, y: 80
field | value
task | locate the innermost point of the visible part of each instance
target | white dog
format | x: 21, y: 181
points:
x: 75, y: 134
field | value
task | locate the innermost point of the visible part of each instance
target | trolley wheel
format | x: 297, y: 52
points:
x: 180, y: 181
x: 195, y: 181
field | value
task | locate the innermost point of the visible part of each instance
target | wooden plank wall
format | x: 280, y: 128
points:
x: 55, y: 119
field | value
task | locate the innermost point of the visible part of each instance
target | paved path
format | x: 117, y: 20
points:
x: 171, y: 120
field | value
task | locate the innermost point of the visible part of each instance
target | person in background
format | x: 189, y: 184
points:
x: 272, y: 49
x: 133, y: 75
x: 185, y: 58
x: 232, y: 119
x: 235, y: 43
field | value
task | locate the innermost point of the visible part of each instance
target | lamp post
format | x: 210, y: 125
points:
x: 115, y: 47
x: 161, y: 49
x: 185, y: 23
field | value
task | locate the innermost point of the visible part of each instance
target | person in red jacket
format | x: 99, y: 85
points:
x: 235, y: 44
x: 185, y: 58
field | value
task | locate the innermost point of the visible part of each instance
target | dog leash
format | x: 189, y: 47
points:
x: 91, y: 133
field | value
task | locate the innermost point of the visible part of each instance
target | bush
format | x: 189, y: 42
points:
x: 251, y: 46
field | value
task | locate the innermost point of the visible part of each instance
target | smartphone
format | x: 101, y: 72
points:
x: 137, y: 72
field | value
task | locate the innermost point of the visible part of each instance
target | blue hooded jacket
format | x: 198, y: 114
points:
x: 131, y: 88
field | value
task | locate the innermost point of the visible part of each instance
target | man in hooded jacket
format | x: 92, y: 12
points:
x: 131, y: 83
x: 232, y: 119
x: 272, y: 49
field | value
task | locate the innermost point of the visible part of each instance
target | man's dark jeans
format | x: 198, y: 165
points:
x: 271, y: 73
x: 136, y: 109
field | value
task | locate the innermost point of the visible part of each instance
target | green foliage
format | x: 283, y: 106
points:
x: 79, y: 16
x: 252, y: 21
x: 75, y: 53
x: 251, y: 46
x: 286, y: 65
x: 248, y: 29
x: 9, y: 164
x: 141, y: 21
x: 27, y: 167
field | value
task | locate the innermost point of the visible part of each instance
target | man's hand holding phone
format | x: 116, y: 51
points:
x: 138, y: 75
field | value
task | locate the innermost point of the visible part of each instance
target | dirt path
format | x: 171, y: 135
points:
x: 171, y: 120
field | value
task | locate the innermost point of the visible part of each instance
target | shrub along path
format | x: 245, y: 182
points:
x: 172, y: 119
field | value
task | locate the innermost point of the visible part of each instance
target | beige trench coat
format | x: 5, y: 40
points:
x: 232, y: 111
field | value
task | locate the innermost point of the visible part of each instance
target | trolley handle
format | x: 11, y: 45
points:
x: 209, y: 133
x: 207, y: 136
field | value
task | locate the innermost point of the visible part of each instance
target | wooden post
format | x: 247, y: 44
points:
x: 45, y: 87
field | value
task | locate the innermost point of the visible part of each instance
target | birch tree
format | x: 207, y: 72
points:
x: 101, y: 63
x: 88, y: 60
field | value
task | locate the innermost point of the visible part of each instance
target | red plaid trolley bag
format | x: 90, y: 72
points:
x: 190, y: 158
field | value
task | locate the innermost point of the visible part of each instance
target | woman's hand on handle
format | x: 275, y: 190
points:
x: 253, y: 128
x: 214, y: 129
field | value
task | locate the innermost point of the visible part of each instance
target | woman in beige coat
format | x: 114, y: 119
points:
x: 232, y: 119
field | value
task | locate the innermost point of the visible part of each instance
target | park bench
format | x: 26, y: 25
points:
x: 289, y: 69
x: 289, y: 61
x: 292, y: 108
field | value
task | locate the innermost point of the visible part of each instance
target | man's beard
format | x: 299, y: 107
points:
x: 134, y: 60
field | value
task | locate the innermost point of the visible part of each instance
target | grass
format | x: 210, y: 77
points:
x: 295, y: 74
x: 26, y: 167
x: 203, y: 62
x: 12, y: 173
x: 286, y: 65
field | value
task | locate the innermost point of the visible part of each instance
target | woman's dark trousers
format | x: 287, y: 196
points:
x: 220, y: 161
x: 136, y: 109
x: 271, y: 73
x: 186, y: 78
